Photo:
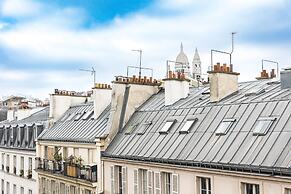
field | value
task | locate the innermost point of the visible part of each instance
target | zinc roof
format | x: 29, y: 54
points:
x: 81, y: 130
x: 239, y: 147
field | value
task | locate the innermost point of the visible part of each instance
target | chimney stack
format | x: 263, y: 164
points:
x: 62, y: 100
x: 128, y: 94
x: 286, y: 78
x: 223, y: 82
x: 101, y: 98
x: 176, y: 87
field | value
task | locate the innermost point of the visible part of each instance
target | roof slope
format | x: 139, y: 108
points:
x: 69, y: 128
x: 239, y: 147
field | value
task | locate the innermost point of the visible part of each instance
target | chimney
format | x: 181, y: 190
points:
x: 265, y: 75
x: 176, y: 87
x: 286, y: 78
x: 101, y: 98
x: 128, y: 94
x: 223, y: 82
x: 62, y: 100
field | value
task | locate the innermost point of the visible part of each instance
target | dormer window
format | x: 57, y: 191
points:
x: 224, y: 126
x: 166, y: 128
x: 263, y: 125
x: 188, y: 125
x: 143, y: 127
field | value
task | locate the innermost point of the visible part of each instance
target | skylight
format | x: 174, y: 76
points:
x: 263, y: 125
x: 65, y: 117
x: 70, y: 117
x: 224, y: 126
x: 87, y: 115
x: 255, y: 91
x: 143, y: 127
x: 130, y: 129
x: 188, y: 125
x: 78, y: 116
x: 167, y: 127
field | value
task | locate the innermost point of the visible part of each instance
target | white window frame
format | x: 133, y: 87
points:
x: 188, y: 125
x: 261, y: 132
x: 230, y: 123
x: 167, y: 127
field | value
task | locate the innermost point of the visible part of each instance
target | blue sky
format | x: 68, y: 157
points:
x: 44, y: 43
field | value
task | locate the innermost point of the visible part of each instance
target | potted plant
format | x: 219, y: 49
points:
x: 21, y: 173
x: 58, y: 159
x: 29, y: 174
x: 71, y: 166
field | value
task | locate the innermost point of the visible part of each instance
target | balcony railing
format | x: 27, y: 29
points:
x: 84, y: 172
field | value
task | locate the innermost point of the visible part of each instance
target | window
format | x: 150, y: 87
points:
x: 167, y: 127
x: 130, y: 129
x: 204, y: 185
x: 7, y: 163
x: 118, y: 179
x: 7, y: 188
x: 87, y: 115
x: 2, y: 186
x: 250, y: 188
x: 72, y: 190
x: 65, y: 152
x: 87, y: 191
x: 287, y: 191
x: 263, y: 125
x: 21, y: 190
x: 29, y: 191
x: 224, y: 126
x: 78, y: 116
x: 142, y: 181
x: 14, y: 189
x: 166, y: 183
x: 62, y: 188
x: 14, y: 164
x: 143, y: 127
x: 188, y: 125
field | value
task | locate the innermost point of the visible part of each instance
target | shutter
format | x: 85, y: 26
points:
x: 175, y: 185
x: 157, y: 183
x: 112, y: 180
x: 124, y: 179
x: 135, y: 181
x: 150, y: 182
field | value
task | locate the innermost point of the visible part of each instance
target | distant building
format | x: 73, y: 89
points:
x: 182, y: 64
x: 17, y: 152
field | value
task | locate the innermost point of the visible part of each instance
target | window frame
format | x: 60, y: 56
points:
x: 165, y: 129
x: 261, y: 131
x: 220, y: 132
x: 186, y: 129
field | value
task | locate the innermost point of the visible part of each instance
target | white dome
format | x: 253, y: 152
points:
x: 182, y: 58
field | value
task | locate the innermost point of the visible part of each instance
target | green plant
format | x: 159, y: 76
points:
x: 58, y: 157
x: 29, y: 175
x: 71, y: 159
x: 79, y: 160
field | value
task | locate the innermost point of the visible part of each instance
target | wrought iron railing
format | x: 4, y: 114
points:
x: 84, y: 172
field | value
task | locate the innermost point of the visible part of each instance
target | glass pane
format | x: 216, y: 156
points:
x: 166, y: 127
x: 262, y: 126
x: 223, y: 127
x: 203, y: 183
x: 187, y: 126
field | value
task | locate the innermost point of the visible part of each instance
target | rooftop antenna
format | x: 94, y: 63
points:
x: 232, y: 45
x: 274, y: 62
x: 140, y: 54
x: 93, y: 72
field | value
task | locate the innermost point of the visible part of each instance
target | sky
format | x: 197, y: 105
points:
x: 43, y: 44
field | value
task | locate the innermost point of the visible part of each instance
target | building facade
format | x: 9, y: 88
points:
x: 17, y: 153
x: 224, y: 138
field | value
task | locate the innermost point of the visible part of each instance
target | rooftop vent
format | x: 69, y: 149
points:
x: 286, y: 78
x: 255, y: 91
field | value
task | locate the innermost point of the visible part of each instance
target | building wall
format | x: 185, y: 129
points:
x: 15, y: 181
x: 222, y: 182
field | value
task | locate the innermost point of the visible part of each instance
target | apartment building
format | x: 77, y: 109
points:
x: 222, y: 138
x: 17, y: 153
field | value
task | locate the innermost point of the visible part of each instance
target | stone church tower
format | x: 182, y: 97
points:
x: 196, y: 66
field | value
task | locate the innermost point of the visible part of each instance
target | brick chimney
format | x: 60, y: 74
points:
x: 265, y: 75
x: 176, y: 87
x: 128, y: 94
x: 223, y: 82
x: 101, y: 98
x: 62, y: 100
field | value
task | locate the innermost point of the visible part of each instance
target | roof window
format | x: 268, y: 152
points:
x: 130, y: 129
x: 78, y: 116
x: 143, y: 127
x: 224, y: 126
x: 70, y: 117
x: 87, y: 115
x: 263, y: 125
x: 188, y: 125
x: 167, y: 127
x: 255, y: 91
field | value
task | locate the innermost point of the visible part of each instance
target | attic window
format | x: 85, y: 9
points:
x: 224, y: 126
x: 188, y: 125
x: 143, y: 127
x: 263, y: 125
x: 78, y: 116
x: 70, y: 117
x: 87, y: 115
x: 167, y: 127
x: 130, y: 129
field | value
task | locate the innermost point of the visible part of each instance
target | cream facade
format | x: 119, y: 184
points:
x: 173, y: 179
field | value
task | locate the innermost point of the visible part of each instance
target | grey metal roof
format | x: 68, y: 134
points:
x: 239, y: 148
x: 81, y: 130
x: 3, y: 114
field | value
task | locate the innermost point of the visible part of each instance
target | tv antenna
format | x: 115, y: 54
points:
x: 93, y: 72
x: 140, y: 54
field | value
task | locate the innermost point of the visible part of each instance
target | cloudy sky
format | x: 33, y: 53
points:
x: 43, y: 44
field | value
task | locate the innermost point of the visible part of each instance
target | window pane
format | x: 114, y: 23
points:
x: 263, y: 125
x: 187, y: 126
x: 224, y: 126
x: 167, y: 127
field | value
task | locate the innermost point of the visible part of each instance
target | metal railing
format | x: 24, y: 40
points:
x: 84, y: 172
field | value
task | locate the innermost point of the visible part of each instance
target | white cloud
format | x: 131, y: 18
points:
x: 19, y: 8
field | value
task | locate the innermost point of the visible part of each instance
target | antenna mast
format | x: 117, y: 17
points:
x: 93, y: 72
x: 140, y: 54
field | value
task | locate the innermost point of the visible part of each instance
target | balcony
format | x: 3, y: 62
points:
x: 83, y: 172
